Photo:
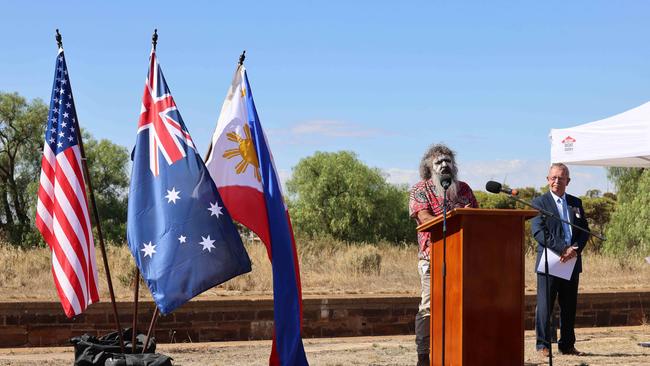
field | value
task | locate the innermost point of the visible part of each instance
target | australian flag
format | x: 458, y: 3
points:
x: 179, y: 232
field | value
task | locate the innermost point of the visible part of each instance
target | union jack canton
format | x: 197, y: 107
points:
x: 161, y: 117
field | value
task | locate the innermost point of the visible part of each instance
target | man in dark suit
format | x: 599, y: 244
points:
x: 568, y: 243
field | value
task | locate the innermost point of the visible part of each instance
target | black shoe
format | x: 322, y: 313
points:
x: 423, y: 359
x: 572, y: 351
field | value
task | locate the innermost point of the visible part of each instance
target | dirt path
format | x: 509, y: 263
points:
x: 604, y: 346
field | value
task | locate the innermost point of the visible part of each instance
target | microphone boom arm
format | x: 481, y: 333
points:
x: 550, y: 214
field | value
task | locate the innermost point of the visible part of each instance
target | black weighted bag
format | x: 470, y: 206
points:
x: 105, y: 350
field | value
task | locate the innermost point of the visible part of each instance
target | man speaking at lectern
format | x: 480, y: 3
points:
x: 425, y: 203
x: 568, y: 243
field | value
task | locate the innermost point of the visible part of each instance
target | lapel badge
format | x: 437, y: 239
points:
x: 576, y: 211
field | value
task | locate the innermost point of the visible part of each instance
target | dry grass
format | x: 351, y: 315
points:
x: 331, y: 267
x: 603, y: 274
x: 327, y: 267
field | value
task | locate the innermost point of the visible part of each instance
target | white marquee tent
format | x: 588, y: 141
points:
x: 622, y: 140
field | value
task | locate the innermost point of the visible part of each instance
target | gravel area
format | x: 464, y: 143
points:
x: 604, y: 346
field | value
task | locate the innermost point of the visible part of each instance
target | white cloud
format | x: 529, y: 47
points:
x: 331, y: 128
x: 401, y: 176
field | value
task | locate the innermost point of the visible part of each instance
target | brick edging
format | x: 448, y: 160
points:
x: 44, y: 324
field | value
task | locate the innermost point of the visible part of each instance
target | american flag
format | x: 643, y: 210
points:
x: 62, y: 209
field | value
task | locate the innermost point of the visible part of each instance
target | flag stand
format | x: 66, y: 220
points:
x: 59, y: 42
x: 152, y: 324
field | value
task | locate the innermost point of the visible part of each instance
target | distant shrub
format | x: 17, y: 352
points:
x: 364, y: 259
x: 337, y: 195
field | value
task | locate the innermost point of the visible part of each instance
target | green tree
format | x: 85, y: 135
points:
x: 108, y: 164
x: 491, y: 200
x: 628, y: 230
x: 21, y: 144
x: 502, y: 201
x: 21, y: 124
x: 610, y: 195
x: 336, y: 194
x: 598, y: 211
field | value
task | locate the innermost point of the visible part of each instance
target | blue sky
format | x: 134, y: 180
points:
x: 383, y: 79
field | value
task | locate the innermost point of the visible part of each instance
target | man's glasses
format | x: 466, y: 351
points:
x: 559, y: 179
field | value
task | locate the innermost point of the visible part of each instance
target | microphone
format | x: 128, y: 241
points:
x: 445, y: 181
x: 496, y: 187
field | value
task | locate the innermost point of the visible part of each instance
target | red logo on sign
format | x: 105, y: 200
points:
x: 568, y: 143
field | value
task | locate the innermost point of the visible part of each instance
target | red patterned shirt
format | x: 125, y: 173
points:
x: 423, y: 197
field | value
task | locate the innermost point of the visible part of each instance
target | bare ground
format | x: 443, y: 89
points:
x: 604, y: 346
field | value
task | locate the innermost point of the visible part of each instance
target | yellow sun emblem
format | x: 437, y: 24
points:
x: 246, y: 150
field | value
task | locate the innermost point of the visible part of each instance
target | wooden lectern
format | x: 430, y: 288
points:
x: 484, y: 313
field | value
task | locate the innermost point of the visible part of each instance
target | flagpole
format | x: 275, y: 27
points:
x: 136, y: 278
x: 152, y: 324
x: 154, y: 43
x: 136, y: 274
x: 242, y: 57
x: 98, y: 225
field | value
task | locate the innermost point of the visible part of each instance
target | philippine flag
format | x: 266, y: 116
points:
x: 242, y: 167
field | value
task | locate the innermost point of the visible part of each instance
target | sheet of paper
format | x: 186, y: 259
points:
x: 555, y: 267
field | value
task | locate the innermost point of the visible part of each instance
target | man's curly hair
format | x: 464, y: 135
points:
x: 433, y: 151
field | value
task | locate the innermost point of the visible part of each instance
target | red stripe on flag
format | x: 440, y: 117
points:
x: 74, y: 213
x: 241, y: 202
x: 71, y: 218
x: 66, y: 263
x: 78, y: 198
x: 45, y: 194
x: 67, y: 307
x: 167, y: 142
x: 48, y: 170
x: 74, y: 157
x: 65, y: 303
x: 44, y: 229
x: 45, y: 199
x: 67, y: 231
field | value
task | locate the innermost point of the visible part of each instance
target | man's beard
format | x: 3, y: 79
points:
x: 452, y: 191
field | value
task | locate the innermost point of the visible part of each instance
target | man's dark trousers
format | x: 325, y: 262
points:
x: 566, y: 292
